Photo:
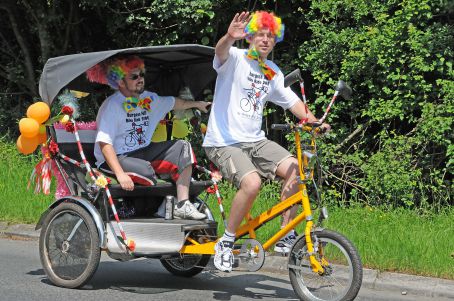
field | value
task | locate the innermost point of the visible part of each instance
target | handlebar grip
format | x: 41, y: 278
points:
x: 280, y: 127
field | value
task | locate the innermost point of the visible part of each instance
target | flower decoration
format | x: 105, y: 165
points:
x: 131, y: 244
x: 53, y: 148
x: 101, y: 181
x: 67, y: 110
x: 211, y: 190
x: 69, y: 127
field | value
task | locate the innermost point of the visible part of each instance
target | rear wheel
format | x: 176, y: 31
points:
x: 186, y: 265
x: 342, y: 276
x: 69, y: 246
x: 189, y: 265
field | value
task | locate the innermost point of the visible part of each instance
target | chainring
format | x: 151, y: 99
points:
x: 252, y: 255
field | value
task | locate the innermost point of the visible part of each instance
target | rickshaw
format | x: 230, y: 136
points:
x: 77, y: 227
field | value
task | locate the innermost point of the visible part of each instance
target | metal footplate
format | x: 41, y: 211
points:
x: 153, y: 236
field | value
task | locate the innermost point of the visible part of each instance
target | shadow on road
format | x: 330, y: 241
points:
x: 148, y: 277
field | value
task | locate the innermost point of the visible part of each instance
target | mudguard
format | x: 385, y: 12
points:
x: 87, y: 206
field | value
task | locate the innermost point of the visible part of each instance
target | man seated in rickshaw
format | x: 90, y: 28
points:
x: 126, y: 122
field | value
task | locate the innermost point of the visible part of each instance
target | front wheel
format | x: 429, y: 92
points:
x: 343, y: 272
x: 69, y: 246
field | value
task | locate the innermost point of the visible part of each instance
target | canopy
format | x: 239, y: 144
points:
x: 168, y: 68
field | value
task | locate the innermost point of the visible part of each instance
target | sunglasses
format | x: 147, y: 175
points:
x: 136, y: 76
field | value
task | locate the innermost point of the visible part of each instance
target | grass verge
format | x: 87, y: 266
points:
x: 17, y: 203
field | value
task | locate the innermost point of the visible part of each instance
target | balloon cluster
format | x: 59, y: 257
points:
x: 32, y: 129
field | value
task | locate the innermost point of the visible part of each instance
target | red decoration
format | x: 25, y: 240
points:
x: 67, y: 110
x: 211, y: 190
x: 53, y: 148
x: 69, y: 127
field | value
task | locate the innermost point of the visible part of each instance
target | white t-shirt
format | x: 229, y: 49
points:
x: 129, y: 131
x: 240, y: 94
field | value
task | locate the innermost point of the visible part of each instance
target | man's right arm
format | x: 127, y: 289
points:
x: 235, y: 32
x: 223, y: 47
x: 112, y: 160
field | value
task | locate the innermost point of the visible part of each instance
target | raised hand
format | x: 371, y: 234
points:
x: 238, y: 24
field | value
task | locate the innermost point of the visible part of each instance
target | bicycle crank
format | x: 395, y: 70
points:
x: 252, y: 255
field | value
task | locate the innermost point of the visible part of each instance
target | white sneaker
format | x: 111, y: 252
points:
x: 223, y: 258
x: 187, y: 211
x: 284, y: 245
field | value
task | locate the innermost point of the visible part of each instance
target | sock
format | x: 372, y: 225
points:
x: 181, y: 203
x: 228, y: 236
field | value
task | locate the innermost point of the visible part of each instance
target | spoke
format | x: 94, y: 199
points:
x: 74, y: 229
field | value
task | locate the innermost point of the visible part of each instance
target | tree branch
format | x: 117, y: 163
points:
x: 358, y: 130
x: 28, y: 62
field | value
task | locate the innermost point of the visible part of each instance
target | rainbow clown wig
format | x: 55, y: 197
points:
x: 109, y: 72
x: 262, y: 19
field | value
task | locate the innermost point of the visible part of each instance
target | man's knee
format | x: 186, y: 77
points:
x: 185, y: 149
x: 146, y: 170
x: 288, y: 169
x: 251, y: 183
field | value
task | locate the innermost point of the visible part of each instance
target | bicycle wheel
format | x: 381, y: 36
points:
x: 186, y: 265
x: 343, y: 273
x: 69, y: 246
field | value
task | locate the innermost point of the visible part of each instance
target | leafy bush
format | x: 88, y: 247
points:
x: 393, y: 141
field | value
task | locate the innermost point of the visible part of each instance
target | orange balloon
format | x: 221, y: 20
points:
x: 26, y: 145
x: 29, y: 127
x: 42, y: 138
x: 39, y: 111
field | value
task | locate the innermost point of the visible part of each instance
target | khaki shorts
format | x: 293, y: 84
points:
x: 238, y: 160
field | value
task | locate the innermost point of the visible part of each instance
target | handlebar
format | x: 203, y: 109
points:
x: 281, y: 127
x: 308, y: 126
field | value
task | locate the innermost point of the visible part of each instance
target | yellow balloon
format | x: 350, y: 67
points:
x: 29, y: 127
x: 160, y: 134
x: 79, y: 94
x: 26, y: 145
x: 203, y: 128
x: 39, y: 111
x: 179, y: 129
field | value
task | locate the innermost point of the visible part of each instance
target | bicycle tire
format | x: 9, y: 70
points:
x: 343, y: 262
x: 69, y: 260
x: 186, y: 265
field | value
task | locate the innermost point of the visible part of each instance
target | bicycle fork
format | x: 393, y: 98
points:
x: 315, y: 265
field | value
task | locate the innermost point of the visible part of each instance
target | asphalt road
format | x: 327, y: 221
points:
x: 22, y: 278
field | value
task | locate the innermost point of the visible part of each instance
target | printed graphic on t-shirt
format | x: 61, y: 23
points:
x: 252, y: 102
x: 136, y: 127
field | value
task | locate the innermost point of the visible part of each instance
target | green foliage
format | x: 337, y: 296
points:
x: 391, y: 144
x: 398, y: 58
